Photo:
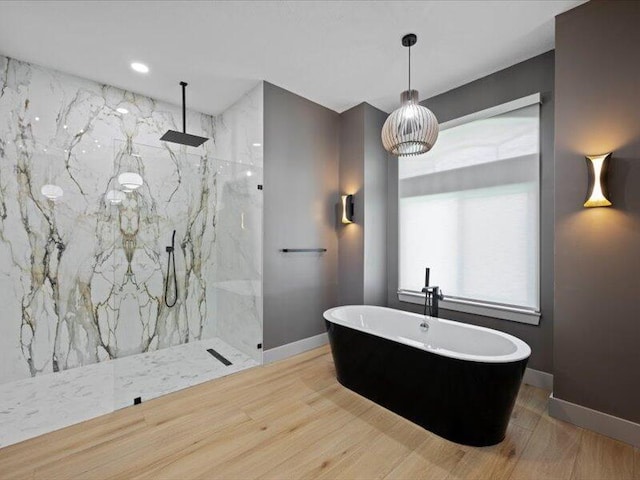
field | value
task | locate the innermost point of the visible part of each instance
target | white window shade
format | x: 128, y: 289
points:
x: 469, y: 210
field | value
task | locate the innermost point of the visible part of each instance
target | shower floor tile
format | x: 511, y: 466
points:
x: 38, y: 405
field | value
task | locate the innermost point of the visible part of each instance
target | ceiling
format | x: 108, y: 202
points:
x: 336, y: 53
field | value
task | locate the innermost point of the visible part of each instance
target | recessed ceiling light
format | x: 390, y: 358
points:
x: 37, y: 119
x: 122, y: 110
x: 140, y: 67
x: 249, y: 173
x: 65, y: 127
x: 257, y: 144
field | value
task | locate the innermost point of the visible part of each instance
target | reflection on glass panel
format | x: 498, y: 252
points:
x: 205, y: 294
x: 500, y: 137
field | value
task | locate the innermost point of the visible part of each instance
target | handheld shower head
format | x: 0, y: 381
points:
x: 171, y: 252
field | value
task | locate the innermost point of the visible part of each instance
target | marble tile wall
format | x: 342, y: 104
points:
x: 81, y: 277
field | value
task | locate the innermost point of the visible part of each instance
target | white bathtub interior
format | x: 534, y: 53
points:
x: 444, y: 337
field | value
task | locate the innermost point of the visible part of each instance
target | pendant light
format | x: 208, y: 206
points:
x: 129, y: 180
x: 411, y: 129
x: 115, y: 197
x: 52, y: 192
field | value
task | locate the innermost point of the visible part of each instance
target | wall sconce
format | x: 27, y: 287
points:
x: 598, y: 168
x: 347, y: 209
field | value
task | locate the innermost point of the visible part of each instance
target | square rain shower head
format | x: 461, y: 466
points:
x: 183, y: 138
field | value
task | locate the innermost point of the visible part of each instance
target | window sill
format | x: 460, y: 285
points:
x: 519, y: 315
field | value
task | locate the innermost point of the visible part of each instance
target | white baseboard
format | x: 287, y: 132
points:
x: 294, y: 348
x: 603, y: 423
x: 537, y: 378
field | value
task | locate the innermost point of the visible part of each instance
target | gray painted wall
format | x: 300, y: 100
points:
x: 301, y: 151
x: 351, y: 236
x: 532, y: 76
x: 375, y: 214
x: 597, y: 309
x: 363, y: 173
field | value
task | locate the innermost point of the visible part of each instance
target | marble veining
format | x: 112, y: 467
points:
x: 82, y: 277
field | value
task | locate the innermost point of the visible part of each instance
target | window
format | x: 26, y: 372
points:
x: 469, y: 210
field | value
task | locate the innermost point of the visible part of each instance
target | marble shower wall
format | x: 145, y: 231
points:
x: 81, y: 278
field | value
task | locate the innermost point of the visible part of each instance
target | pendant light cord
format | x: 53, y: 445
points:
x: 409, y: 69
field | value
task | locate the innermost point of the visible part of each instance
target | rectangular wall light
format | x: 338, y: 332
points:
x: 598, y: 193
x: 347, y: 209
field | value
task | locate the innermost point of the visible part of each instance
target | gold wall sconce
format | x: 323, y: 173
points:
x: 598, y: 169
x: 347, y: 209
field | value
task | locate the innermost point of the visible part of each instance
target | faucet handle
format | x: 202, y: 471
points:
x: 434, y: 291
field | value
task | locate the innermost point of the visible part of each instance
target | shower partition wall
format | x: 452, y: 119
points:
x: 176, y: 192
x: 214, y: 325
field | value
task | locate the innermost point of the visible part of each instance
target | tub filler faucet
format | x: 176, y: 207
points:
x: 432, y: 297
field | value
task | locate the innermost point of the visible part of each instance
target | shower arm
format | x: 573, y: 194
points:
x: 182, y: 137
x: 184, y: 106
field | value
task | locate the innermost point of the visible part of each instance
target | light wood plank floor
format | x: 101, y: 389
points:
x: 292, y: 420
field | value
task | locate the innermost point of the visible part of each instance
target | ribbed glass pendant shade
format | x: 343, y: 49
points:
x: 411, y: 129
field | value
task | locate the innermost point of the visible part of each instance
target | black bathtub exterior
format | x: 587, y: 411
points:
x: 463, y: 401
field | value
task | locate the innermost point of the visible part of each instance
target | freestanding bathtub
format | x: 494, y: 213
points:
x: 459, y: 381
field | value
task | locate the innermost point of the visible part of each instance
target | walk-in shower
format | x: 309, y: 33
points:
x: 96, y: 315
